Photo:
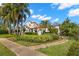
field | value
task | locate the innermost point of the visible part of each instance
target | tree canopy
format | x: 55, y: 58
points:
x: 14, y: 13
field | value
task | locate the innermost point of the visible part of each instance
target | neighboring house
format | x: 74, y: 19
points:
x: 57, y: 26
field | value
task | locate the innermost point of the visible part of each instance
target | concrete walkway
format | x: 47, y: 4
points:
x: 18, y: 49
x: 48, y: 44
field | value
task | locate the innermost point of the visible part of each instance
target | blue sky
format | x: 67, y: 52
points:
x: 54, y: 12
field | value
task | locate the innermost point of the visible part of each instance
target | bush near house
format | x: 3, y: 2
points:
x: 3, y: 31
x: 53, y: 30
x: 30, y: 33
x: 74, y: 49
x: 38, y: 39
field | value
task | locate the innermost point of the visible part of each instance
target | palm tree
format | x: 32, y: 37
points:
x: 14, y: 14
x: 4, y: 13
x: 20, y: 14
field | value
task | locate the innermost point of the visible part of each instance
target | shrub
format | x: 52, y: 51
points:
x: 74, y: 49
x: 3, y: 31
x: 31, y: 33
x: 38, y: 39
x: 69, y: 28
x: 53, y: 30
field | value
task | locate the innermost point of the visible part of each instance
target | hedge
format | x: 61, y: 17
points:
x: 3, y: 31
x: 38, y: 39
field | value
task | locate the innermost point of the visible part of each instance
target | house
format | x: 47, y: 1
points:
x: 31, y: 27
x: 34, y: 27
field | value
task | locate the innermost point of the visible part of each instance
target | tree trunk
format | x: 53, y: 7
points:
x: 14, y: 29
x: 17, y: 30
x: 8, y: 30
x: 21, y: 29
x: 8, y: 27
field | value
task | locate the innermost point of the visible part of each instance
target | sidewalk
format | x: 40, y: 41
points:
x: 18, y: 49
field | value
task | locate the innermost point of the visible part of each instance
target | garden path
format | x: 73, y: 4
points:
x: 57, y: 42
x: 18, y: 49
x: 21, y: 50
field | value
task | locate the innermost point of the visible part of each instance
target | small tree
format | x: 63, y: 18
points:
x: 69, y: 28
x: 44, y: 24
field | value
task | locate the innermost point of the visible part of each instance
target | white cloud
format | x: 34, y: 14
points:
x: 31, y: 11
x: 56, y: 20
x: 73, y: 12
x: 35, y: 16
x: 42, y: 17
x: 66, y: 5
x: 62, y: 6
x: 47, y: 18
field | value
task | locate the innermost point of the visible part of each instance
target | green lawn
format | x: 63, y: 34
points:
x: 5, y: 51
x: 25, y: 43
x: 58, y: 50
x: 6, y: 35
